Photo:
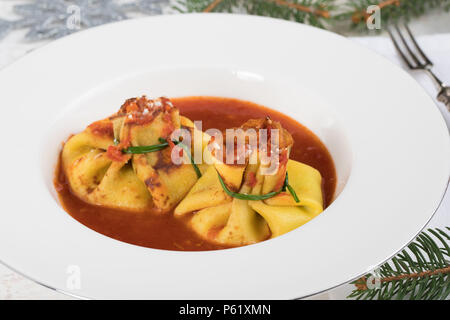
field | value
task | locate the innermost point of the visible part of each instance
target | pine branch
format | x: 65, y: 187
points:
x: 320, y: 13
x: 314, y: 12
x: 299, y: 7
x: 391, y: 10
x: 282, y: 3
x: 421, y: 271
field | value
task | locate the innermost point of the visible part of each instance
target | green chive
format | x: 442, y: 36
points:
x: 256, y: 197
x: 145, y: 149
x: 291, y: 190
x: 157, y: 147
x: 164, y: 144
x: 294, y: 195
x: 186, y: 148
x: 286, y: 183
x: 243, y: 196
x: 162, y: 140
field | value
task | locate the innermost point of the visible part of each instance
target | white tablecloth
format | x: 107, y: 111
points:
x: 437, y: 47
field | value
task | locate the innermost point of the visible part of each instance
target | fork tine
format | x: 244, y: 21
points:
x: 411, y: 53
x: 425, y: 58
x: 399, y: 50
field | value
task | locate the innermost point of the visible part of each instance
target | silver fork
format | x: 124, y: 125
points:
x: 416, y: 59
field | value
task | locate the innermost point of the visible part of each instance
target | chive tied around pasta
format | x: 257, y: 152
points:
x: 164, y: 144
x: 158, y: 147
x: 256, y: 197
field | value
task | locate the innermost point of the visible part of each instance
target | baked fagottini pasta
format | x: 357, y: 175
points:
x: 119, y: 177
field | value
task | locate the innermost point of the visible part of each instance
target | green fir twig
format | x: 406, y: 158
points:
x: 319, y: 13
x: 355, y: 11
x: 421, y: 271
x: 313, y: 12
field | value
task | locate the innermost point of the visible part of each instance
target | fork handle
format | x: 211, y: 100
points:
x: 444, y: 96
x: 444, y: 91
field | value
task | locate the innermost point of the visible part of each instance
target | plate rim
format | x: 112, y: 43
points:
x: 84, y: 32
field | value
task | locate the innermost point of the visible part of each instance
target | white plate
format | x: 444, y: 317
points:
x: 389, y: 142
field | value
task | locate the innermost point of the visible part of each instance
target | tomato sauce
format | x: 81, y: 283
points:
x: 164, y: 231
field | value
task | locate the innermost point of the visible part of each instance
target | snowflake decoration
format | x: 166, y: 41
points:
x: 51, y: 19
